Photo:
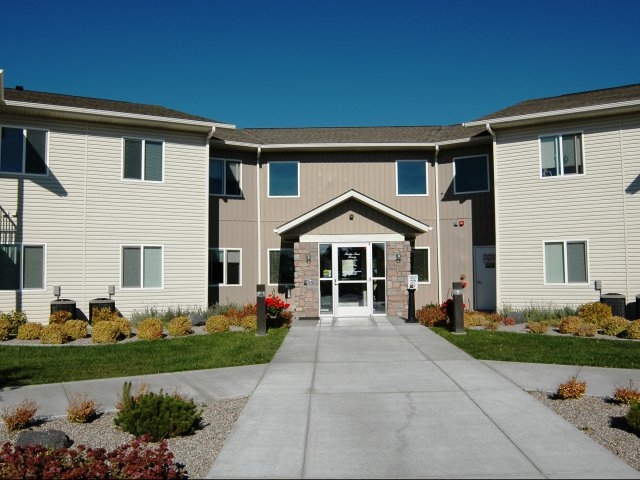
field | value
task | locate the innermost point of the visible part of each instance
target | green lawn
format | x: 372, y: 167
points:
x: 533, y: 348
x: 31, y: 365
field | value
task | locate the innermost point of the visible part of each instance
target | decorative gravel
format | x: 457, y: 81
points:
x: 602, y: 418
x: 197, y: 452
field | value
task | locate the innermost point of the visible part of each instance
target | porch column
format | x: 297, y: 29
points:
x: 306, y: 299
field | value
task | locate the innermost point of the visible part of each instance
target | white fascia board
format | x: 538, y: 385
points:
x: 555, y: 113
x: 401, y: 217
x: 109, y: 113
x: 242, y: 144
x: 369, y: 237
x: 337, y: 146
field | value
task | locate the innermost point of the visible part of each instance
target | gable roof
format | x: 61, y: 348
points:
x: 576, y: 105
x: 353, y: 194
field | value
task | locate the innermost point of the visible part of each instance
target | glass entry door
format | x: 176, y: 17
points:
x: 352, y: 280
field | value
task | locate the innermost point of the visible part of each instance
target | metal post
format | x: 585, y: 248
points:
x: 411, y: 317
x: 458, y: 308
x: 261, y: 308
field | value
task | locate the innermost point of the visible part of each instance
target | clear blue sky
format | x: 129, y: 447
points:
x: 284, y: 63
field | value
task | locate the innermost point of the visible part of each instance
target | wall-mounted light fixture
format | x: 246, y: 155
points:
x: 398, y: 256
x: 351, y: 216
x: 308, y: 257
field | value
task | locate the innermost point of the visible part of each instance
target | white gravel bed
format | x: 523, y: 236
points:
x: 602, y: 419
x: 197, y: 452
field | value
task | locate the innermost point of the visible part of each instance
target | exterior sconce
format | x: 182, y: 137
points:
x: 398, y: 256
x: 351, y: 216
x: 308, y: 257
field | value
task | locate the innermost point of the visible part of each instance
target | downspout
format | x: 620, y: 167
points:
x: 259, y: 213
x: 208, y: 203
x: 495, y: 210
x: 438, y: 257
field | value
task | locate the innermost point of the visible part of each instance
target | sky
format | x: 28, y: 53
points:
x: 315, y: 63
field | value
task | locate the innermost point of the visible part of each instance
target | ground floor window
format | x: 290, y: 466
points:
x: 281, y: 268
x: 21, y: 267
x: 224, y: 266
x: 420, y: 264
x: 142, y: 266
x: 565, y: 262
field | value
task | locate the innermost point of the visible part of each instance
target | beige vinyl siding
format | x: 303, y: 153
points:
x: 84, y: 212
x: 589, y: 207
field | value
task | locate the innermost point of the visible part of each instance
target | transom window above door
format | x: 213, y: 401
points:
x: 411, y: 177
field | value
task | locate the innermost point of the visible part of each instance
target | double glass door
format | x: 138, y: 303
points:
x: 352, y: 279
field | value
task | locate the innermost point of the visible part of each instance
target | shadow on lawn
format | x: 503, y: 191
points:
x: 11, y: 378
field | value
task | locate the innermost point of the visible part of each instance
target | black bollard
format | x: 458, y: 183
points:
x: 261, y: 308
x: 458, y: 308
x: 411, y: 317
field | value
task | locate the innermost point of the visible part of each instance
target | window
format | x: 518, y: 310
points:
x: 21, y: 266
x: 420, y: 264
x: 142, y: 267
x: 565, y: 262
x: 281, y: 267
x: 411, y: 177
x: 23, y: 151
x: 142, y: 160
x: 224, y: 177
x: 224, y: 266
x: 471, y: 174
x: 561, y: 155
x: 284, y: 179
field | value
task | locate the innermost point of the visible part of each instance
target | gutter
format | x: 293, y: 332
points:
x: 208, y: 203
x: 496, y: 212
x: 438, y: 256
x: 1, y: 86
x: 258, y: 212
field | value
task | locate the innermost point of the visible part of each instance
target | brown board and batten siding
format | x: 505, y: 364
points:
x: 599, y: 207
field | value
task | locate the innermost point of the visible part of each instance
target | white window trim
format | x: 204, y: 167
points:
x: 269, y: 250
x: 22, y: 173
x: 224, y: 177
x: 428, y: 249
x: 426, y: 178
x: 269, y: 179
x: 224, y: 270
x: 562, y: 175
x: 453, y: 163
x: 144, y: 142
x: 564, y: 251
x: 21, y: 287
x: 141, y: 246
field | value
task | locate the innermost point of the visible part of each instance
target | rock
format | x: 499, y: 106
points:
x: 197, y: 319
x: 47, y: 438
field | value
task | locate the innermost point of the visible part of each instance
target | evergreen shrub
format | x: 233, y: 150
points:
x: 53, y: 334
x: 29, y: 331
x: 150, y: 329
x: 105, y: 332
x: 217, y: 324
x: 75, y: 329
x: 179, y: 327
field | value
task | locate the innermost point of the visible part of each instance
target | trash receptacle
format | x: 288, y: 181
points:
x: 101, y: 303
x: 616, y: 301
x: 65, y: 305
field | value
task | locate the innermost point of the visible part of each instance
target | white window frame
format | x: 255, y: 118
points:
x: 564, y: 243
x: 141, y: 247
x: 224, y: 177
x: 428, y: 249
x: 144, y: 141
x: 269, y: 195
x: 21, y: 287
x: 269, y: 263
x: 455, y: 177
x: 561, y: 174
x: 225, y: 267
x: 22, y: 172
x: 426, y: 178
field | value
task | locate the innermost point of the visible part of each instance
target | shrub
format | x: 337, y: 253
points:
x: 180, y: 326
x: 5, y: 328
x: 157, y: 414
x: 105, y: 332
x: 633, y: 330
x: 234, y: 315
x: 124, y: 326
x: 492, y: 325
x: 595, y: 313
x: 75, y: 329
x: 431, y: 316
x: 570, y: 325
x: 217, y: 324
x: 249, y: 309
x: 133, y: 460
x: 286, y: 316
x: 627, y: 395
x: 633, y: 416
x: 29, y: 331
x: 150, y: 329
x: 615, y: 326
x: 535, y: 313
x: 19, y: 416
x: 249, y: 323
x: 537, y: 327
x: 15, y: 319
x: 587, y: 330
x: 103, y: 314
x: 572, y: 388
x: 60, y: 317
x: 81, y: 409
x: 474, y: 319
x: 142, y: 389
x: 53, y: 334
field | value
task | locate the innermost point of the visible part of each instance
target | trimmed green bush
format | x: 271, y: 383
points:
x: 75, y: 329
x: 105, y: 332
x: 150, y: 329
x: 29, y: 331
x: 179, y: 327
x: 53, y: 334
x: 217, y: 324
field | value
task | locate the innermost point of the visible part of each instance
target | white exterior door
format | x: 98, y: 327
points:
x: 485, y: 278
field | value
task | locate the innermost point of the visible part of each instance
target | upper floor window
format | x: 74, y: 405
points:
x: 561, y: 155
x: 21, y: 267
x: 471, y: 174
x: 284, y: 179
x: 23, y: 150
x: 142, y: 160
x: 565, y: 262
x: 411, y: 177
x: 224, y: 177
x: 281, y: 267
x: 420, y: 264
x: 142, y: 266
x: 224, y: 266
